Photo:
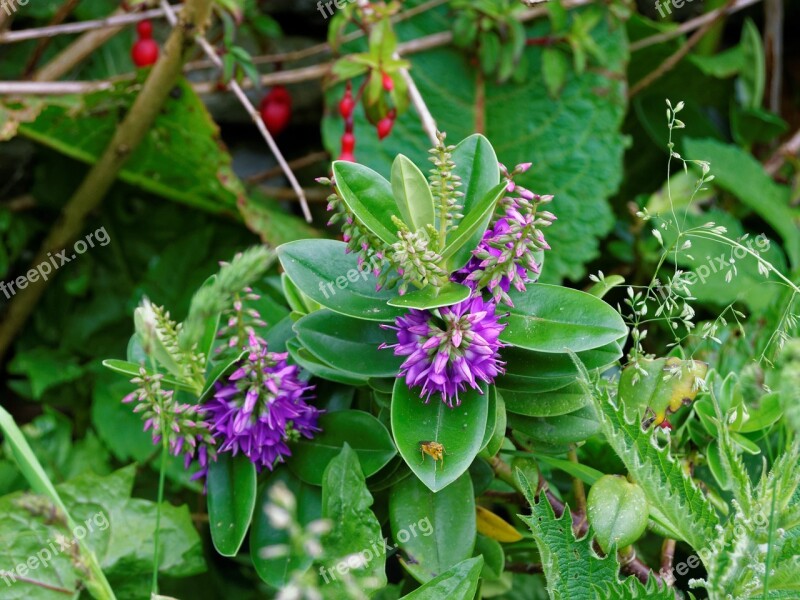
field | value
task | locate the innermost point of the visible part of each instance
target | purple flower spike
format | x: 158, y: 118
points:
x: 447, y: 354
x: 261, y: 407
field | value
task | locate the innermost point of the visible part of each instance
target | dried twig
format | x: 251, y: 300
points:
x: 671, y: 61
x: 691, y: 24
x: 63, y: 12
x: 115, y: 20
x: 789, y: 148
x: 251, y: 110
x: 773, y: 48
x: 297, y: 163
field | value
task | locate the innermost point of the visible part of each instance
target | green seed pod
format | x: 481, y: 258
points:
x: 617, y: 511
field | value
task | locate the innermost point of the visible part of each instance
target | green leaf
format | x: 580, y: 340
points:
x: 431, y: 297
x: 316, y: 367
x: 45, y: 368
x: 549, y: 404
x: 527, y: 370
x: 324, y: 272
x: 666, y: 485
x: 459, y: 246
x: 457, y: 583
x: 346, y: 504
x: 231, y: 483
x: 359, y: 430
x: 412, y: 194
x: 564, y: 429
x: 555, y: 68
x: 277, y: 570
x: 549, y: 318
x: 444, y: 523
x: 130, y: 369
x: 460, y: 430
x: 369, y: 196
x: 752, y: 79
x: 351, y: 345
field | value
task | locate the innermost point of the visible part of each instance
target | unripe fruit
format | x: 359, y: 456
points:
x: 276, y: 109
x: 617, y: 511
x: 347, y: 104
x: 144, y: 53
x: 388, y: 82
x: 385, y: 125
x: 145, y: 30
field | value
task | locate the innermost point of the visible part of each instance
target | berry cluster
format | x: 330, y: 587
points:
x: 346, y: 107
x: 276, y: 109
x: 145, y: 51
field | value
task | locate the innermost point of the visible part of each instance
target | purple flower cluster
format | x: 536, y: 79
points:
x: 261, y: 407
x: 449, y: 351
x: 184, y: 425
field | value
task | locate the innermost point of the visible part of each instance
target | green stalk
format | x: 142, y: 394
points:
x: 156, y: 535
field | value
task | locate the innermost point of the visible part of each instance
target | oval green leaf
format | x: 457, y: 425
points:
x: 461, y: 430
x: 551, y: 318
x: 349, y: 344
x: 437, y: 530
x: 550, y: 404
x: 430, y: 297
x: 365, y: 434
x: 315, y: 366
x: 412, y: 194
x: 324, y: 272
x: 457, y: 583
x: 565, y: 429
x: 465, y: 238
x: 369, y: 197
x: 231, y: 484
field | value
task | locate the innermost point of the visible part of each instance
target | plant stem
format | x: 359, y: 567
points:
x: 577, y: 486
x: 161, y: 478
x: 103, y: 174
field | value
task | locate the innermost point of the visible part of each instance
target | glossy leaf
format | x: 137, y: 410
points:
x: 349, y: 344
x: 460, y: 430
x: 472, y: 227
x: 231, y: 483
x: 369, y: 196
x: 444, y: 523
x: 321, y: 369
x: 365, y: 434
x: 429, y: 297
x: 549, y: 404
x: 323, y: 271
x: 549, y: 318
x: 412, y: 194
x: 565, y: 429
x: 457, y: 583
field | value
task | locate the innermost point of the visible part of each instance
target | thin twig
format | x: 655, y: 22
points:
x: 788, y: 149
x: 14, y: 576
x: 773, y: 48
x: 667, y: 555
x: 127, y: 137
x: 524, y: 568
x: 297, y: 163
x: 691, y: 25
x: 671, y: 61
x: 251, y: 110
x: 77, y: 51
x: 9, y: 37
x: 283, y: 193
x: 52, y: 88
x: 425, y: 116
x: 577, y: 486
x: 63, y: 12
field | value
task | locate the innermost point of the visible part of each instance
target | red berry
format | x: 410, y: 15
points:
x: 665, y: 424
x: 385, y: 125
x: 276, y: 109
x: 347, y: 104
x: 347, y: 157
x: 348, y: 143
x: 388, y: 82
x: 279, y: 95
x: 144, y: 53
x: 145, y: 30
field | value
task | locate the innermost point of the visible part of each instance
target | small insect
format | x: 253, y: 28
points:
x: 433, y: 449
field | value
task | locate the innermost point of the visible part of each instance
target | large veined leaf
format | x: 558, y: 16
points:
x: 548, y: 318
x: 573, y: 140
x: 326, y: 273
x: 571, y: 566
x: 181, y: 157
x: 436, y: 531
x: 461, y: 430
